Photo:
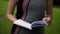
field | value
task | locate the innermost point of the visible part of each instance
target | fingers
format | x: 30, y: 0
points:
x: 47, y: 19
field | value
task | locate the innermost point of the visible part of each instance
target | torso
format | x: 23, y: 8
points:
x: 31, y: 10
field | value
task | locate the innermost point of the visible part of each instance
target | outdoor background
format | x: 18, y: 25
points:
x: 5, y: 25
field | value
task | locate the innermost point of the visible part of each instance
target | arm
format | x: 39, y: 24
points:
x: 19, y: 22
x: 49, y: 9
x: 10, y: 10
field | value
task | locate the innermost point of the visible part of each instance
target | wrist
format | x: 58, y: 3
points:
x: 14, y: 20
x: 48, y: 15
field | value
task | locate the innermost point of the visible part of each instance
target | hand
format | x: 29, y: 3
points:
x: 47, y: 19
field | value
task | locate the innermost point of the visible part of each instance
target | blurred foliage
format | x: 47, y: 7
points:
x: 56, y: 2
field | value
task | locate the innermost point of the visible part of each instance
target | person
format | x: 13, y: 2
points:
x: 29, y: 11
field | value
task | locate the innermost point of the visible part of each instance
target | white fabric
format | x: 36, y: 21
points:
x: 23, y: 24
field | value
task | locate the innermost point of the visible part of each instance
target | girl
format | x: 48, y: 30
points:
x: 29, y: 10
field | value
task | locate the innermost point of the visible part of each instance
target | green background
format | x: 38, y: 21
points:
x: 5, y: 25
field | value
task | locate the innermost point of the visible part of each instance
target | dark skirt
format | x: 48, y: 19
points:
x: 21, y: 30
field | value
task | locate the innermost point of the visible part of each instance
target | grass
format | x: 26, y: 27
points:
x: 5, y: 25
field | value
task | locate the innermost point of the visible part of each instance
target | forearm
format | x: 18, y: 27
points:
x: 10, y: 10
x: 49, y: 7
